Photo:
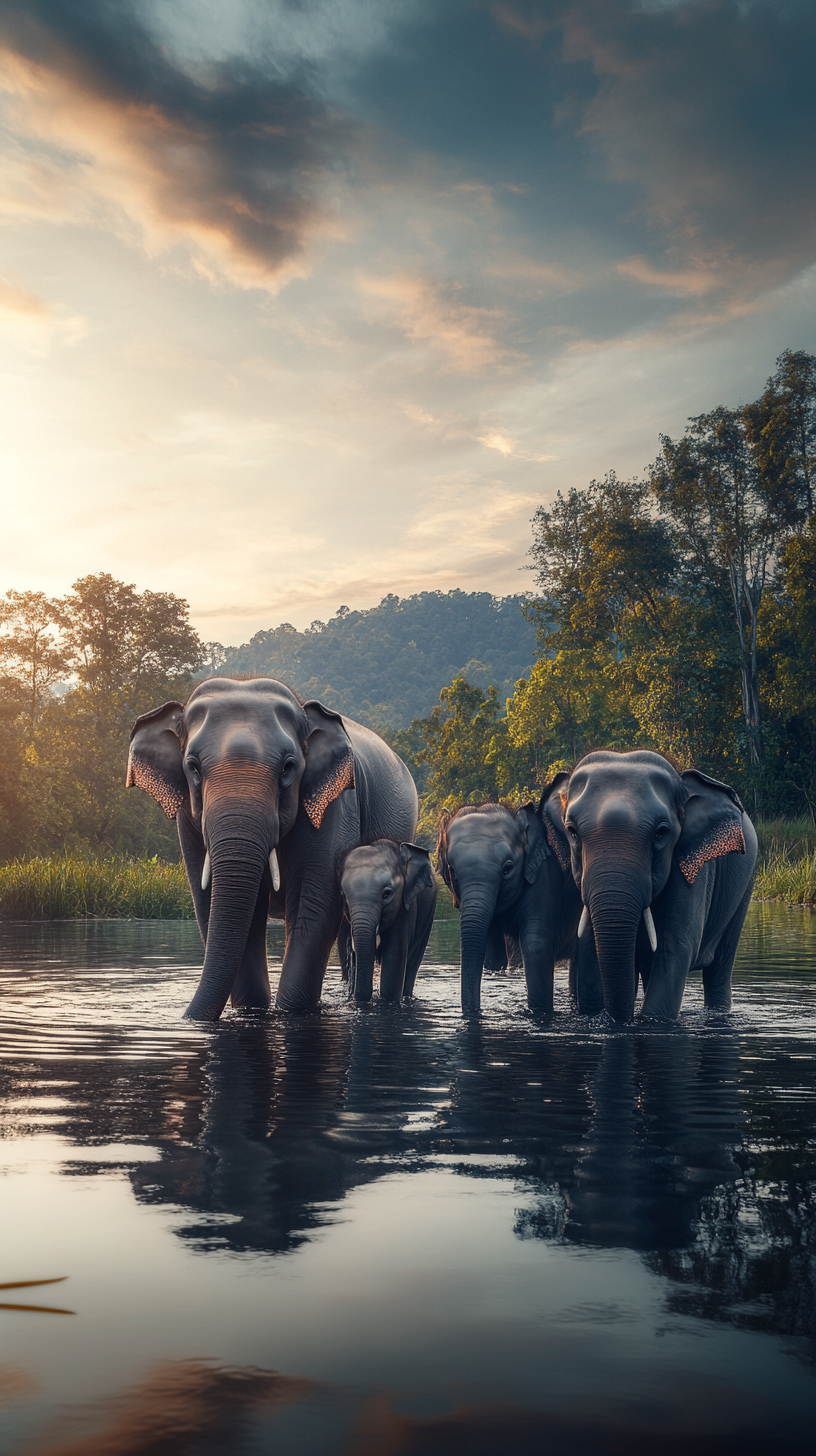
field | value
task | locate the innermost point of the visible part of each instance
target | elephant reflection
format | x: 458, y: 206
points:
x: 295, y: 1116
x: 626, y: 1140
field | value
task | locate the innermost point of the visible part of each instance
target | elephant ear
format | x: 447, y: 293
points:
x: 712, y: 825
x: 417, y: 870
x: 329, y: 761
x: 536, y: 849
x: 551, y: 807
x: 442, y: 856
x: 154, y: 760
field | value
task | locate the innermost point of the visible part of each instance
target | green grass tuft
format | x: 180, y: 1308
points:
x: 72, y: 887
x: 783, y: 875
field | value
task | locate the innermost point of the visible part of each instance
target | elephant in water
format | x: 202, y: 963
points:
x: 269, y: 794
x: 508, y: 872
x: 389, y: 898
x: 665, y: 865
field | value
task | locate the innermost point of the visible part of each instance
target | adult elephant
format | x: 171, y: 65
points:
x: 665, y: 865
x: 508, y: 872
x: 269, y: 794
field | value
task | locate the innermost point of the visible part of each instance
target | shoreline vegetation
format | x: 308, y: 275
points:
x: 73, y: 886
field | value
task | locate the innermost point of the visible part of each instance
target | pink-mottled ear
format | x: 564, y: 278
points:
x: 551, y: 807
x: 329, y: 761
x: 442, y: 855
x: 712, y: 824
x: 154, y: 760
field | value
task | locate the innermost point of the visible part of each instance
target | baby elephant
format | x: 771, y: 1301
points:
x: 389, y: 898
x: 509, y: 873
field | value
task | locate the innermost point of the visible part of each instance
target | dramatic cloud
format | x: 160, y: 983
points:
x: 223, y: 160
x: 519, y: 238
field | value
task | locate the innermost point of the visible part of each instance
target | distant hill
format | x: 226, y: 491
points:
x: 387, y: 665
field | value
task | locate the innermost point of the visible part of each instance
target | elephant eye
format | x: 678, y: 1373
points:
x: 573, y: 833
x: 507, y: 868
x: 661, y: 835
x: 387, y: 893
x: 287, y: 770
x: 194, y: 770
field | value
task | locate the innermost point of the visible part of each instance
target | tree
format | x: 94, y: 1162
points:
x: 460, y: 735
x: 125, y: 646
x: 787, y: 655
x: 604, y: 565
x: 781, y: 429
x: 728, y: 519
x: 569, y: 704
x: 29, y: 650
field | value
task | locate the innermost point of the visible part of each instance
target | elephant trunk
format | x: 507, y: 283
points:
x: 616, y: 906
x: 364, y: 940
x: 240, y: 830
x: 478, y: 907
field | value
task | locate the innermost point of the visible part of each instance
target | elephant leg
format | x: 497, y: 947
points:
x: 588, y: 988
x: 495, y: 954
x: 251, y: 985
x: 313, y: 916
x: 717, y: 975
x: 423, y: 924
x: 344, y: 948
x: 394, y: 961
x: 538, y: 958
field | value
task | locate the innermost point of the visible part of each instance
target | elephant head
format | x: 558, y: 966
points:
x: 241, y: 762
x: 630, y: 817
x: 379, y: 882
x: 488, y: 855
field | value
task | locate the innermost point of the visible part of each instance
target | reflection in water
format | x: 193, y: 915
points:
x: 186, y: 1406
x: 691, y: 1148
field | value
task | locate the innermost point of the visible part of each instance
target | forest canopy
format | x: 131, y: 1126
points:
x: 387, y: 665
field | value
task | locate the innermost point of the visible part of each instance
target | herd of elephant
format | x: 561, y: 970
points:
x: 631, y: 870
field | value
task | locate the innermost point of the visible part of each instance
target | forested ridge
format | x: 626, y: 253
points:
x: 676, y: 611
x: 386, y: 665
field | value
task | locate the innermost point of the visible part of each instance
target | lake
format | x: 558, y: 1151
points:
x: 382, y: 1232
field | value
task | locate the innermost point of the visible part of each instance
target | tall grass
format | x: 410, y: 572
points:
x: 72, y: 887
x: 794, y: 837
x: 783, y: 875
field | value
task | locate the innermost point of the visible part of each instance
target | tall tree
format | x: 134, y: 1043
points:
x: 728, y: 519
x: 781, y: 429
x: 29, y: 650
x: 124, y: 645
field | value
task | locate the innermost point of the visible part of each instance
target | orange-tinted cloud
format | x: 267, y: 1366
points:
x: 427, y: 314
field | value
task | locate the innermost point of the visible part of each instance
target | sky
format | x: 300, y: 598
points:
x: 307, y: 301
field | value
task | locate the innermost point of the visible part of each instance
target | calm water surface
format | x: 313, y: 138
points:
x: 380, y: 1232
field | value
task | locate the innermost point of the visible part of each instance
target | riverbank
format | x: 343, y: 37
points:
x: 74, y: 887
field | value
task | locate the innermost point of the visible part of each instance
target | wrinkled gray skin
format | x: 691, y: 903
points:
x: 509, y: 875
x: 389, y: 893
x: 246, y: 768
x: 644, y: 837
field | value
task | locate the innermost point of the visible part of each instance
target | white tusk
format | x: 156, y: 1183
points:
x: 650, y: 928
x: 206, y: 872
x: 274, y: 870
x: 583, y: 922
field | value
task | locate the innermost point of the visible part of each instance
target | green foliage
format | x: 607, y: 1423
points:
x: 677, y: 613
x: 386, y: 666
x: 787, y: 877
x: 70, y: 886
x: 64, y: 744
